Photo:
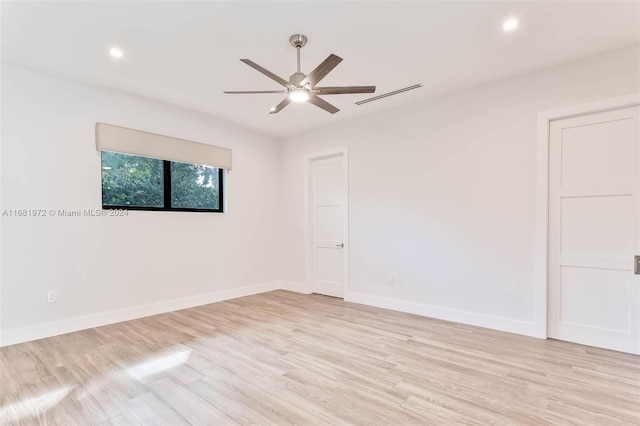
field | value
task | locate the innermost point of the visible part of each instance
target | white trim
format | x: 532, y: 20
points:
x: 527, y: 328
x: 308, y: 244
x: 542, y: 194
x: 297, y: 287
x: 40, y: 331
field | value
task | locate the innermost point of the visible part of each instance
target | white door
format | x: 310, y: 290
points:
x: 594, y: 232
x: 328, y: 223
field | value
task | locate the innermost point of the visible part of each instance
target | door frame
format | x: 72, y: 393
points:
x: 308, y: 222
x: 541, y: 257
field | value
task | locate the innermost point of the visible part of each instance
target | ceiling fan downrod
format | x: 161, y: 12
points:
x: 298, y: 41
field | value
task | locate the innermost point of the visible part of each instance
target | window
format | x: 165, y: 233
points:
x: 143, y: 183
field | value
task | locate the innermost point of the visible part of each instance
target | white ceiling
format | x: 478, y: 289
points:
x: 187, y: 53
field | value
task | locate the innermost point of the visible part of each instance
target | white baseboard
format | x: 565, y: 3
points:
x: 40, y: 331
x: 297, y: 287
x: 481, y: 320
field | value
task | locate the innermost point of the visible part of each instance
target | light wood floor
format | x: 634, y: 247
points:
x: 285, y: 358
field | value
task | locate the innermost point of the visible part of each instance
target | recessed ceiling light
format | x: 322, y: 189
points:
x: 510, y: 24
x: 273, y: 109
x: 116, y: 52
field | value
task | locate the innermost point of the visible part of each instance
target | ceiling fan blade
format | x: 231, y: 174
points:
x: 286, y: 101
x: 343, y: 90
x: 321, y: 70
x: 322, y: 104
x: 253, y: 92
x: 266, y: 72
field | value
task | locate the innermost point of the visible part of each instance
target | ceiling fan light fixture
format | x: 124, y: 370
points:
x: 298, y: 95
x: 303, y: 88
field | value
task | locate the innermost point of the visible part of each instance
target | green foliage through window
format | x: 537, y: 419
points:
x: 194, y: 186
x: 130, y: 181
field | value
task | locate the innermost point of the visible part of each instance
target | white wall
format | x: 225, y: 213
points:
x: 101, y: 265
x: 442, y: 194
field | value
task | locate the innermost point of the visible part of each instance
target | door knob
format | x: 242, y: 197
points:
x: 341, y: 245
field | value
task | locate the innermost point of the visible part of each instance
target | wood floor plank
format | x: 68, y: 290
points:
x: 282, y: 358
x: 221, y: 394
x: 148, y: 410
x: 121, y: 420
x: 189, y: 405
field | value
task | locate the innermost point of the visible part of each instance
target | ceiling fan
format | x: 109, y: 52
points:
x: 301, y: 87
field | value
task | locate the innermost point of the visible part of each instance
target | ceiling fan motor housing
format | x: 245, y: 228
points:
x: 296, y: 78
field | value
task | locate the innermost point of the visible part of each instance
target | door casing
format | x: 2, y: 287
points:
x: 308, y: 223
x: 541, y: 258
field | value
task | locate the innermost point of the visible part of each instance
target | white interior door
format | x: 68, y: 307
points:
x: 328, y: 224
x: 594, y: 229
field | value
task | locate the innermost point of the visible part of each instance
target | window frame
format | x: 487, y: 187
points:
x: 166, y: 169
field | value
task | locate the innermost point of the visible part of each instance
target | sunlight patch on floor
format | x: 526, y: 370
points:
x: 159, y: 364
x: 33, y: 407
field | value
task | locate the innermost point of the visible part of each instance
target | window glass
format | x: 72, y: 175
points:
x: 129, y: 180
x: 194, y: 186
x: 141, y: 183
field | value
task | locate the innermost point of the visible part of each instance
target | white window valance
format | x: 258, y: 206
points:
x: 136, y: 142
